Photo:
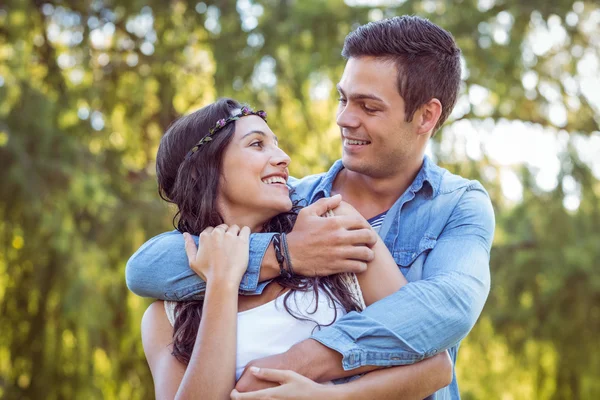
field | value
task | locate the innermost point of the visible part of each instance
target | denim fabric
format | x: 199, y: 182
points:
x: 160, y: 269
x: 440, y: 234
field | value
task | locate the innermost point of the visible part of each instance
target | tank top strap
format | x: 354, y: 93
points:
x: 170, y: 310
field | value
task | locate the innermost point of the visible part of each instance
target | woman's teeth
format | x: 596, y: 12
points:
x: 361, y: 142
x: 274, y: 179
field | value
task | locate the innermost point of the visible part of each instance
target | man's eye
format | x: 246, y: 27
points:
x: 367, y: 109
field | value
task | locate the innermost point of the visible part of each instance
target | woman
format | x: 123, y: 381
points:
x: 223, y: 169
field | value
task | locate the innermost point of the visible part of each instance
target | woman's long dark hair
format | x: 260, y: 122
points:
x: 192, y: 184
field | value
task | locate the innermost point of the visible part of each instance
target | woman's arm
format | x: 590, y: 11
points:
x: 157, y: 336
x: 382, y: 277
x: 211, y: 370
x: 210, y: 373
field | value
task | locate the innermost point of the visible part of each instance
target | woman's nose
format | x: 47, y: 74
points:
x: 280, y: 158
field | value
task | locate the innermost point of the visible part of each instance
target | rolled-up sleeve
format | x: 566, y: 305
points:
x: 160, y: 269
x: 433, y: 314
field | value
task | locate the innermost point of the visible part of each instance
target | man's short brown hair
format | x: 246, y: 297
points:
x: 426, y: 56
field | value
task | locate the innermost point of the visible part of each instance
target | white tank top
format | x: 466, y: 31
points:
x: 269, y: 329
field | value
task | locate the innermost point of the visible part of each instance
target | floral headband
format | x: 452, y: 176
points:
x: 222, y: 123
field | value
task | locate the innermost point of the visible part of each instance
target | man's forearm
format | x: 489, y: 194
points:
x: 269, y: 268
x: 415, y: 381
x: 160, y: 268
x: 309, y: 358
x: 319, y: 363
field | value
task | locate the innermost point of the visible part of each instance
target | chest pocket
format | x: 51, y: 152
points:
x: 406, y: 257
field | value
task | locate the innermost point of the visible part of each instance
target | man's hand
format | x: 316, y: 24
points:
x: 289, y: 386
x: 326, y: 246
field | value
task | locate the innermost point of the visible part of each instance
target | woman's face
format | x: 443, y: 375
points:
x: 252, y: 187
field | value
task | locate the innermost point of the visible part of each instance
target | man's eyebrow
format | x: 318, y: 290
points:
x: 359, y: 96
x: 257, y: 132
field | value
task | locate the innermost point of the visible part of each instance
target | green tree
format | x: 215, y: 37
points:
x: 88, y: 87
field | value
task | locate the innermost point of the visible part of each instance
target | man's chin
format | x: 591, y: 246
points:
x: 352, y: 163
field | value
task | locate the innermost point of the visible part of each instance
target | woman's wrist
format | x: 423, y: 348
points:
x: 223, y: 284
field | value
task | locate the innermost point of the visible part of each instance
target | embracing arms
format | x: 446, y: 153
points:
x: 410, y: 382
x: 422, y: 319
x: 381, y: 279
x: 320, y: 246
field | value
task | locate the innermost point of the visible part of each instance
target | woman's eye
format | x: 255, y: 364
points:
x: 342, y: 100
x: 258, y: 143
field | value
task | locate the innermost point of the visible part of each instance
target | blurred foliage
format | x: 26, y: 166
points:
x: 88, y: 87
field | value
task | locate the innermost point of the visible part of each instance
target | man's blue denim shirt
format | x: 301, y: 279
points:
x: 439, y: 232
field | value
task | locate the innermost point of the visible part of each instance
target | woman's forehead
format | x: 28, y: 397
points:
x: 252, y: 123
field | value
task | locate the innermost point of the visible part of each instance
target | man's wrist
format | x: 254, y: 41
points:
x: 334, y: 392
x: 314, y: 360
x: 292, y: 241
x: 269, y: 268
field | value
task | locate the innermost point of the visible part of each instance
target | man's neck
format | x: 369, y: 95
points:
x: 372, y: 196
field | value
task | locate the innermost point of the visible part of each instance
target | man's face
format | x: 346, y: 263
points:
x: 376, y: 140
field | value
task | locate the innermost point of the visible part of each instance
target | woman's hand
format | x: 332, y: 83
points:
x: 222, y: 253
x: 292, y: 386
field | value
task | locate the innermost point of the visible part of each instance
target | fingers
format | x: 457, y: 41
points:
x: 356, y: 266
x: 346, y: 265
x: 366, y: 237
x: 245, y: 233
x: 266, y: 374
x: 233, y: 230
x: 353, y: 222
x: 190, y: 247
x: 272, y: 375
x: 321, y: 206
x: 358, y: 253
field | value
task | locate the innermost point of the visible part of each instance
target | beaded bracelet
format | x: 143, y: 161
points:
x: 277, y: 240
x: 286, y: 252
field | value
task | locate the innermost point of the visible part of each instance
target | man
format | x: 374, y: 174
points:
x: 399, y: 85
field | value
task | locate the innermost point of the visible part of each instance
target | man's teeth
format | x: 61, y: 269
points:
x: 349, y: 141
x: 274, y: 179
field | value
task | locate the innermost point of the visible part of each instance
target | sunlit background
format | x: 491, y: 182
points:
x: 88, y: 87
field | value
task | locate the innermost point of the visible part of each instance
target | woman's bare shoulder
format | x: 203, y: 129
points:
x: 157, y: 332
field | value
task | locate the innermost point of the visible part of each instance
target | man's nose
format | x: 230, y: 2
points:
x: 347, y: 117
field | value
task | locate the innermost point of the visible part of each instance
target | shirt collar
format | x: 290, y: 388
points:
x: 428, y: 179
x: 326, y: 184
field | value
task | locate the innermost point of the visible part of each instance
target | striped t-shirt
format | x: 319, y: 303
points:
x: 376, y: 221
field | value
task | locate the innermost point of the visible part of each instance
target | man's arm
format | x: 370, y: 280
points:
x: 160, y: 269
x: 318, y: 246
x: 416, y: 381
x: 430, y: 315
x: 423, y: 318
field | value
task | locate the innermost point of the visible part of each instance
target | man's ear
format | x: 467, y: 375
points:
x: 428, y: 116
